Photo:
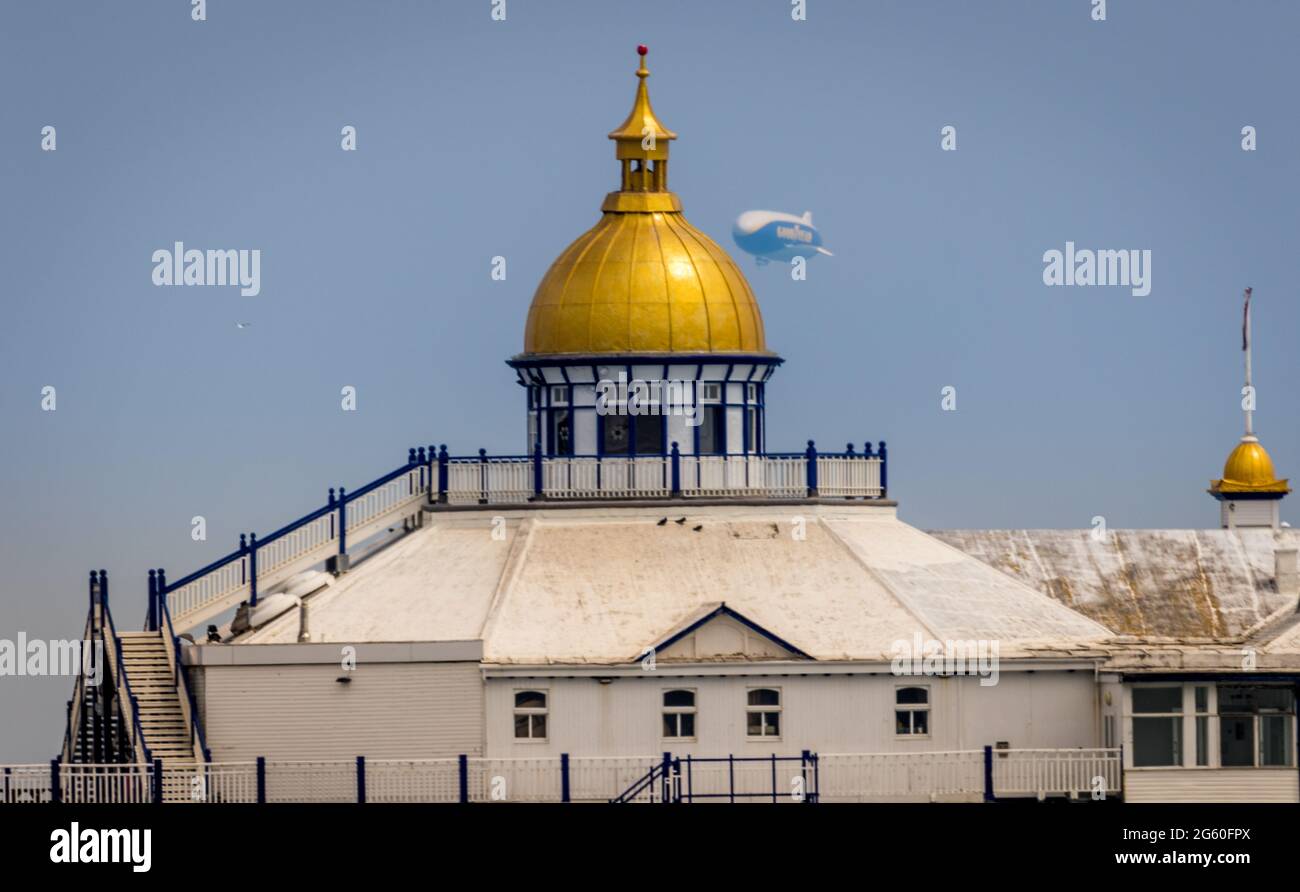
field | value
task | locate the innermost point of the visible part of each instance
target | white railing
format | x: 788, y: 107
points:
x: 106, y: 783
x: 376, y: 508
x: 506, y: 480
x: 311, y: 781
x: 1056, y: 772
x: 836, y: 777
x: 865, y: 777
x: 227, y: 782
x: 844, y: 476
x: 225, y: 586
x: 490, y: 480
x: 313, y: 539
x: 592, y: 778
x: 26, y: 783
x: 413, y: 780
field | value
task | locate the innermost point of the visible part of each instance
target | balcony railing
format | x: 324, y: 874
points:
x: 973, y: 775
x: 431, y: 475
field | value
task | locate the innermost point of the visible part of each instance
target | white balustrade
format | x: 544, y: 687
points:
x: 836, y: 777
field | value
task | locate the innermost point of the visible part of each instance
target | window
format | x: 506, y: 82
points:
x: 712, y: 429
x: 763, y: 714
x: 560, y: 434
x: 1157, y: 726
x: 1255, y: 726
x: 751, y: 426
x: 530, y: 715
x: 751, y: 393
x: 559, y: 395
x: 649, y: 434
x: 1201, y: 700
x: 710, y: 393
x: 617, y: 432
x: 679, y: 714
x: 912, y: 711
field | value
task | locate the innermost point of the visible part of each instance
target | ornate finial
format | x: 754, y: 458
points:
x: 642, y: 139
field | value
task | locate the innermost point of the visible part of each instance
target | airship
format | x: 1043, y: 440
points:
x: 772, y: 235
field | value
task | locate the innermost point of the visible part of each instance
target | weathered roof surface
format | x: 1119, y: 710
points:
x: 599, y: 585
x: 1150, y: 583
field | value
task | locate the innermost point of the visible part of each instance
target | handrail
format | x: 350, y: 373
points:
x: 128, y: 703
x: 78, y: 690
x: 779, y: 475
x: 189, y: 706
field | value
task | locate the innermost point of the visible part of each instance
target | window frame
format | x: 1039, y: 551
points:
x: 677, y: 712
x: 764, y: 710
x: 911, y: 709
x: 1178, y: 718
x: 544, y: 711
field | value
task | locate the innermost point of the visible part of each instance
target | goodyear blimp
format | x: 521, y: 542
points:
x: 772, y: 235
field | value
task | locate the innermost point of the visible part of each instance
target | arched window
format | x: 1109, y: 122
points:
x: 912, y: 712
x: 530, y: 715
x: 763, y: 713
x: 679, y: 714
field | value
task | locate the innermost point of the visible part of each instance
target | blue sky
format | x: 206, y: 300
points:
x: 479, y: 138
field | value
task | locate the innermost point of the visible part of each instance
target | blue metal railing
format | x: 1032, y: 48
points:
x: 673, y: 778
x: 515, y: 478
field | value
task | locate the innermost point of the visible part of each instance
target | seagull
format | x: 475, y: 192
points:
x: 662, y: 522
x: 243, y: 324
x: 697, y: 527
x: 679, y: 521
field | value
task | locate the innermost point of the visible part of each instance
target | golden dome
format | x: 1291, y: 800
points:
x: 1249, y: 469
x: 643, y: 279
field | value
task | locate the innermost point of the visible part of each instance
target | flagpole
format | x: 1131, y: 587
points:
x: 1249, y: 402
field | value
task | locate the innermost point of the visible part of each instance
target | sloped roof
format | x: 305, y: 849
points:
x: 601, y: 584
x: 1187, y: 584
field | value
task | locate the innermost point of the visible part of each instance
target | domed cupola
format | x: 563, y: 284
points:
x: 644, y: 332
x: 1249, y: 492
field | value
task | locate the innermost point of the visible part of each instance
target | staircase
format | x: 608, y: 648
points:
x: 146, y: 662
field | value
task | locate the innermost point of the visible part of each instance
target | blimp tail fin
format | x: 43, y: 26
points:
x: 807, y: 217
x: 821, y: 250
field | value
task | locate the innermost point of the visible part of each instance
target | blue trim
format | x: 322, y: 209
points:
x: 988, y: 774
x: 463, y: 764
x: 724, y: 610
x: 564, y: 777
x: 542, y: 360
x: 361, y: 778
x: 261, y: 780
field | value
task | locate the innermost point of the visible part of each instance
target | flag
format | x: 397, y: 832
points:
x: 1245, y: 323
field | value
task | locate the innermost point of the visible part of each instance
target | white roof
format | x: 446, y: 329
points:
x: 1189, y: 584
x: 601, y: 584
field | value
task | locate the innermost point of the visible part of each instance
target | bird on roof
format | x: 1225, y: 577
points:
x: 679, y: 521
x: 662, y: 521
x: 697, y: 527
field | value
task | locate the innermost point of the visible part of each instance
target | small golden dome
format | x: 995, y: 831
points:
x: 643, y: 279
x: 1249, y: 469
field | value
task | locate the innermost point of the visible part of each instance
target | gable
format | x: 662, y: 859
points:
x: 722, y: 634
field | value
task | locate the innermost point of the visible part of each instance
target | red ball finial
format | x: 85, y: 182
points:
x: 642, y: 49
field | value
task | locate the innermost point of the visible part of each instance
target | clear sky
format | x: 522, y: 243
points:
x: 479, y: 138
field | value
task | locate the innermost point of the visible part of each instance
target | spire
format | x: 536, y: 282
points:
x: 1248, y: 472
x: 1247, y: 404
x: 642, y: 139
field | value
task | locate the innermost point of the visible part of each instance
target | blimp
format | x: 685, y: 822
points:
x: 772, y: 235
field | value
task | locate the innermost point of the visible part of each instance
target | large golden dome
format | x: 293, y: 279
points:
x: 643, y: 279
x: 1249, y: 469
